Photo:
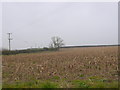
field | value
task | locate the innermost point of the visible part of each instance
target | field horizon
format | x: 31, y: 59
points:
x: 74, y: 46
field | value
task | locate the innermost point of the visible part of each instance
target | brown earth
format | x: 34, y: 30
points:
x: 70, y: 64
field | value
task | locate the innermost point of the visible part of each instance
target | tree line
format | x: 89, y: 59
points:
x: 55, y: 44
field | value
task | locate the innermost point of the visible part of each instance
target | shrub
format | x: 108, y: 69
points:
x: 45, y: 48
x: 33, y: 50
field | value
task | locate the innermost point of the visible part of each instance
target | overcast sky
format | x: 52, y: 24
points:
x: 77, y: 23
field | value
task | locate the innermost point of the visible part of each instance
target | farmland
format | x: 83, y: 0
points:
x: 67, y: 68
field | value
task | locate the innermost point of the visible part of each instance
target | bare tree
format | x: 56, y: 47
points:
x: 57, y: 42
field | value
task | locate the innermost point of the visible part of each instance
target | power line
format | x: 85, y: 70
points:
x: 9, y: 40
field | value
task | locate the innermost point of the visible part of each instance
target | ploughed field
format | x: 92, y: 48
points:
x: 68, y: 67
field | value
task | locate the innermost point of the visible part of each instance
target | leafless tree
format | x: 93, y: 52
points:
x: 57, y: 42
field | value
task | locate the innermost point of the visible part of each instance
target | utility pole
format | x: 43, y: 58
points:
x: 9, y: 39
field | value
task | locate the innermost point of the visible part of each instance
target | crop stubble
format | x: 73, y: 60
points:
x: 69, y: 64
